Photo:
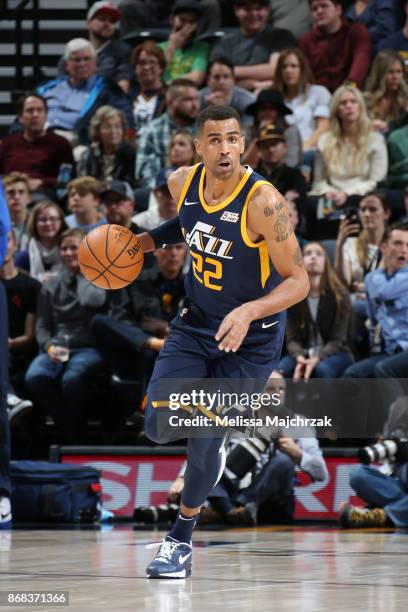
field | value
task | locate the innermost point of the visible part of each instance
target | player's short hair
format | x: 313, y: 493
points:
x: 84, y: 185
x: 22, y: 100
x: 216, y: 113
x: 73, y: 232
x: 400, y: 226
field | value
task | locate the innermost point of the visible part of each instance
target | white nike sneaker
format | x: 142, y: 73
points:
x: 173, y: 560
x: 5, y: 513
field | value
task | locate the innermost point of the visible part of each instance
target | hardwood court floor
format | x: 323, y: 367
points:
x: 298, y: 569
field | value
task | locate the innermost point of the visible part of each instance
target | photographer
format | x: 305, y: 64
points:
x: 251, y: 489
x: 384, y: 489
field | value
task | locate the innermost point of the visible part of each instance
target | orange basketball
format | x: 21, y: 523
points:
x: 110, y: 256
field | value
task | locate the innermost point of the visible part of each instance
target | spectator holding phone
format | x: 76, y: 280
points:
x: 358, y: 253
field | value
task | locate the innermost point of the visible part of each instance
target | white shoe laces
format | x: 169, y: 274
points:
x: 166, y: 550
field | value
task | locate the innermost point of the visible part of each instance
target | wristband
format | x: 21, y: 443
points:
x: 167, y: 233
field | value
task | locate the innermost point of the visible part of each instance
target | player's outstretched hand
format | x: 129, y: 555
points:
x: 233, y: 329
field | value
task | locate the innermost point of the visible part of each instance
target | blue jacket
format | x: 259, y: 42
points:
x: 388, y: 305
x: 378, y: 17
x: 102, y: 93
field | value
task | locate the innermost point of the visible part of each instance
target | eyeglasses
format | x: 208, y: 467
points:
x: 48, y: 220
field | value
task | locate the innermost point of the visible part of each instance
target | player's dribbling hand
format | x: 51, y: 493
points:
x: 233, y: 329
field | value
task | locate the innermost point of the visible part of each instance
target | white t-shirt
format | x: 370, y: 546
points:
x: 306, y: 109
x: 143, y: 110
x: 350, y: 255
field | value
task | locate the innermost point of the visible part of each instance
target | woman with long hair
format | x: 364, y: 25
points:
x: 42, y: 259
x: 108, y: 157
x: 357, y: 255
x: 351, y: 158
x: 387, y: 91
x: 317, y: 328
x: 181, y: 149
x: 309, y: 103
x: 357, y: 246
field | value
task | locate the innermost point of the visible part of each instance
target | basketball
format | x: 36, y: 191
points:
x: 110, y: 256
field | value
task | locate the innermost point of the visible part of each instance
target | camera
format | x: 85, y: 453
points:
x: 245, y: 454
x: 394, y: 449
x: 150, y: 515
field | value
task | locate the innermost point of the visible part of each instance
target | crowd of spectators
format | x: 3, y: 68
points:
x: 321, y: 88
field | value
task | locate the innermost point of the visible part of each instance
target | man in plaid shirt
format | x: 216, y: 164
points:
x: 182, y: 109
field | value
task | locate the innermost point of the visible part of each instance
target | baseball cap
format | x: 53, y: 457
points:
x: 270, y: 132
x: 162, y: 176
x: 269, y: 96
x: 120, y: 188
x: 187, y: 5
x: 103, y: 7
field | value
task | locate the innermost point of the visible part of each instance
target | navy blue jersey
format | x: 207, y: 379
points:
x: 227, y: 268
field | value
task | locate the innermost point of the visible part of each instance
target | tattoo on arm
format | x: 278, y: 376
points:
x: 283, y: 225
x: 268, y: 212
x: 298, y: 258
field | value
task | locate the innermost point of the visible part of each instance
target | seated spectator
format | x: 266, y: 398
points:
x: 147, y: 90
x: 58, y: 385
x: 18, y: 196
x: 182, y: 150
x: 34, y: 151
x: 221, y: 89
x: 118, y: 202
x: 387, y: 91
x: 269, y: 108
x: 337, y: 50
x: 84, y: 203
x: 351, y: 159
x: 185, y: 55
x: 358, y: 246
x: 273, y: 149
x: 255, y: 48
x: 182, y: 110
x: 398, y: 41
x: 309, y: 103
x: 133, y: 333
x: 22, y: 294
x: 377, y: 15
x: 387, y: 295
x: 139, y: 15
x: 108, y: 157
x: 112, y: 56
x: 357, y: 254
x: 164, y: 210
x: 42, y: 258
x: 292, y: 15
x: 317, y: 328
x: 398, y: 157
x: 74, y: 98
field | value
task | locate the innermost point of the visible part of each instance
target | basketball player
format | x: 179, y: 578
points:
x: 246, y: 270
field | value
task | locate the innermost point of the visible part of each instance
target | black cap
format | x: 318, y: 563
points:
x: 121, y: 188
x: 270, y: 132
x: 269, y: 96
x: 182, y: 6
x: 162, y: 176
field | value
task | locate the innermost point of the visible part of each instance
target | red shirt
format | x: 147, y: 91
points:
x: 40, y: 159
x: 342, y: 56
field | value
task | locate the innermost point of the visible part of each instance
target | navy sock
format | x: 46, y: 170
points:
x: 182, y: 529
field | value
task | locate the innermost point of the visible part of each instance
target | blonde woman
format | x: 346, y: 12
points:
x: 387, y: 91
x: 351, y: 158
x: 109, y: 156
